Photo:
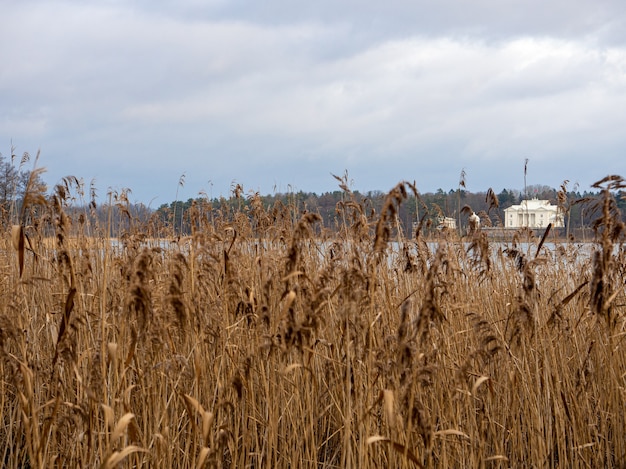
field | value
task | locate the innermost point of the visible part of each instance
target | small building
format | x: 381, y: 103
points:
x: 447, y: 223
x: 533, y: 213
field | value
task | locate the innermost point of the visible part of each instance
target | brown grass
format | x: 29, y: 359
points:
x: 264, y: 341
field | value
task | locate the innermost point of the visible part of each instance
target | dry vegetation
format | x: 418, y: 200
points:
x: 264, y: 340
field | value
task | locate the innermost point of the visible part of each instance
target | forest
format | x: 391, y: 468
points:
x: 174, y: 218
x: 428, y: 207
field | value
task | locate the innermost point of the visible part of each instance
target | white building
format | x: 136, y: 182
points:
x: 533, y: 213
x: 446, y: 222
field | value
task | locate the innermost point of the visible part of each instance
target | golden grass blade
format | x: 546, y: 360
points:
x: 289, y: 299
x: 497, y: 457
x: 452, y: 431
x: 121, y: 425
x: 294, y: 366
x: 399, y: 448
x: 569, y: 297
x: 477, y: 384
x: 193, y: 403
x: 17, y: 234
x: 33, y: 194
x: 296, y: 273
x: 17, y: 238
x: 586, y: 445
x: 112, y: 349
x: 69, y: 302
x: 109, y: 416
x: 610, y: 299
x: 65, y: 320
x: 543, y: 238
x: 128, y: 391
x: 118, y: 456
x: 207, y: 422
x: 388, y: 404
x: 204, y: 453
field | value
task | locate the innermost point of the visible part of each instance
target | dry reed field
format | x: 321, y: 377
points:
x: 264, y: 340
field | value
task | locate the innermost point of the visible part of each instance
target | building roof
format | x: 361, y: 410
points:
x: 534, y: 205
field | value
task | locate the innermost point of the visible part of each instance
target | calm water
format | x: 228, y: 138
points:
x: 571, y: 253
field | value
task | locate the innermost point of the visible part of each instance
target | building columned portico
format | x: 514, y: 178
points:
x: 533, y: 213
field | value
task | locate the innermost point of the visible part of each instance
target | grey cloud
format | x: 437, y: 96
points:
x: 233, y: 90
x: 493, y: 19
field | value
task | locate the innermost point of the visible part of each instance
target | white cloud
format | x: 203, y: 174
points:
x: 239, y: 91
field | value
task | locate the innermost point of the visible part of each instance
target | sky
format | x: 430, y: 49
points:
x: 187, y: 98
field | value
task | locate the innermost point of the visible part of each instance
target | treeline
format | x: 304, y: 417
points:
x: 429, y: 207
x: 113, y: 214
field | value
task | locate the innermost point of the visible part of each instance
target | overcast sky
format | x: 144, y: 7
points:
x: 276, y: 95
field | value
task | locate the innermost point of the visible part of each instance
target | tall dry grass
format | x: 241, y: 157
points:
x: 264, y: 341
